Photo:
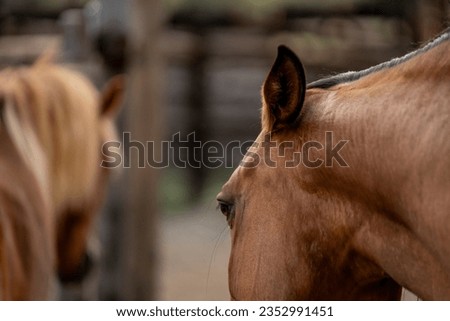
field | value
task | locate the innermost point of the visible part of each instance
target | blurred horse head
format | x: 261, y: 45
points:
x: 53, y: 123
x: 344, y: 194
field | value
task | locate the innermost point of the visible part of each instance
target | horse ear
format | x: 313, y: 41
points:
x: 2, y: 105
x: 112, y: 96
x: 283, y: 91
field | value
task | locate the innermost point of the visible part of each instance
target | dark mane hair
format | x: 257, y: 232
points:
x: 355, y: 75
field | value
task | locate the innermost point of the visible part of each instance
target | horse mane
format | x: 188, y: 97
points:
x: 26, y: 142
x: 52, y: 116
x: 355, y: 75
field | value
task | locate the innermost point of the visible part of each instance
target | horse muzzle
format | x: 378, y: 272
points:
x: 79, y: 274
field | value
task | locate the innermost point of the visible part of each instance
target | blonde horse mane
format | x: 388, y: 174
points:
x: 52, y: 116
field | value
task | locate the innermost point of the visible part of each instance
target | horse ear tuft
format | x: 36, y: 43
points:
x: 283, y: 91
x: 112, y: 96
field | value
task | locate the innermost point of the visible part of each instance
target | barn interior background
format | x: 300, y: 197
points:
x: 194, y: 66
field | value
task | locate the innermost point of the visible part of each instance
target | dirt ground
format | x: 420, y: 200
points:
x: 194, y: 256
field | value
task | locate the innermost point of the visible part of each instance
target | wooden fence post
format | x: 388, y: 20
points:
x: 145, y: 123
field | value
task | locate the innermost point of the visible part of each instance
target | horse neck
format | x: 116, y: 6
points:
x: 396, y: 122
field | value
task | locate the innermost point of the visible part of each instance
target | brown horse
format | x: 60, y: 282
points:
x: 53, y: 123
x: 345, y: 193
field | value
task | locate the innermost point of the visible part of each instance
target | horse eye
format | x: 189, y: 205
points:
x: 227, y: 210
x: 224, y: 208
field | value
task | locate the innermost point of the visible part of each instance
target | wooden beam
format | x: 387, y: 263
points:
x: 25, y: 48
x: 145, y: 122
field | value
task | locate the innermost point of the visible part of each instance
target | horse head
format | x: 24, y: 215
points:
x: 53, y: 124
x: 76, y: 218
x: 292, y: 230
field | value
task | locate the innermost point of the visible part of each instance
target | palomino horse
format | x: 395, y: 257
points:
x: 53, y: 123
x: 344, y: 194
